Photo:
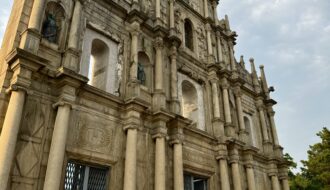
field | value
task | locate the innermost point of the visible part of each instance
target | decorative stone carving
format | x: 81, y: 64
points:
x: 201, y: 42
x: 178, y: 21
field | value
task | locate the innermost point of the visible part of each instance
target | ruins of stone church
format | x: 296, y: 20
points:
x: 132, y: 95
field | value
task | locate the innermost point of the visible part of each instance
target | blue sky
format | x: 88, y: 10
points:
x: 292, y: 39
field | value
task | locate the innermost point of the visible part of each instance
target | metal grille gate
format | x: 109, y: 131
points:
x: 81, y: 177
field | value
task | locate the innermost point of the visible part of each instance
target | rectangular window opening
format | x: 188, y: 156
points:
x: 85, y: 177
x: 192, y: 182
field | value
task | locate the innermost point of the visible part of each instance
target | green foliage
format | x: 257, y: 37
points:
x: 315, y: 175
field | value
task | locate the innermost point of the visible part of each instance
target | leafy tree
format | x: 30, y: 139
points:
x: 315, y: 175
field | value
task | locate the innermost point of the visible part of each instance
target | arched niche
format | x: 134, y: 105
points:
x: 98, y: 67
x: 54, y: 24
x: 144, y: 70
x: 189, y: 101
x: 249, y: 129
x: 188, y: 34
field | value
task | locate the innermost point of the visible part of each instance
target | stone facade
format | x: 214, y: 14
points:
x: 135, y: 95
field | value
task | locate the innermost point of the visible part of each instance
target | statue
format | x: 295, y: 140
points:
x: 141, y: 74
x: 49, y: 28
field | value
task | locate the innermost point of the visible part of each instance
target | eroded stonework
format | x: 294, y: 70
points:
x: 75, y: 113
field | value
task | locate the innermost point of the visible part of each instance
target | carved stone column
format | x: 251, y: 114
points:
x: 57, y: 149
x: 175, y: 105
x: 130, y: 158
x: 177, y: 141
x: 220, y: 56
x: 250, y: 177
x: 225, y: 96
x: 135, y: 30
x: 206, y: 9
x: 232, y: 57
x: 159, y: 134
x: 159, y: 99
x: 222, y: 159
x: 275, y: 182
x: 214, y: 6
x: 172, y: 21
x: 31, y: 37
x: 262, y: 120
x: 22, y: 70
x: 72, y: 53
x: 285, y: 184
x: 158, y: 13
x: 271, y: 113
x: 234, y: 158
x: 238, y: 96
x: 218, y: 126
x: 209, y: 44
x: 9, y: 133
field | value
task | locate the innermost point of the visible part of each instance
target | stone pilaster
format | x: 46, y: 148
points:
x: 71, y: 60
x: 206, y: 9
x: 209, y: 44
x: 264, y: 81
x: 238, y: 96
x: 225, y: 96
x: 30, y: 38
x: 134, y: 84
x: 159, y: 99
x: 219, y: 48
x: 172, y: 21
x: 214, y: 6
x: 248, y: 158
x: 57, y: 148
x: 232, y: 60
x: 22, y: 64
x: 261, y: 109
x: 271, y: 114
x: 176, y: 140
x: 222, y: 159
x: 234, y: 159
x: 175, y: 103
x: 218, y: 124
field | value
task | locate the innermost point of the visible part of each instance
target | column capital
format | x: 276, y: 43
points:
x: 131, y: 126
x: 224, y: 83
x: 237, y: 91
x: 62, y: 103
x: 176, y: 139
x: 16, y: 87
x: 134, y: 28
x: 159, y: 43
x: 173, y: 51
x: 159, y: 132
x: 208, y: 27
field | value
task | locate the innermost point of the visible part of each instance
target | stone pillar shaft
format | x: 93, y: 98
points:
x: 250, y: 178
x: 74, y: 31
x: 275, y: 183
x: 220, y: 56
x: 57, y: 148
x: 174, y: 75
x: 263, y: 124
x: 206, y: 9
x: 216, y: 21
x: 215, y: 98
x: 209, y: 40
x: 158, y: 9
x: 240, y: 112
x: 9, y: 134
x: 232, y: 57
x: 160, y: 164
x: 236, y: 176
x: 172, y: 25
x: 273, y: 127
x: 226, y: 105
x: 178, y: 167
x: 224, y: 175
x: 159, y: 66
x: 134, y: 55
x: 285, y: 184
x: 130, y: 160
x: 36, y: 15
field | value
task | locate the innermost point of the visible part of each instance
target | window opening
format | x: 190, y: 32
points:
x: 83, y: 177
x: 194, y: 183
x: 188, y: 31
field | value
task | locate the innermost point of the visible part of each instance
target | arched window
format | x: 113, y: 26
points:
x: 249, y: 129
x: 188, y: 34
x: 189, y: 101
x: 144, y: 70
x: 53, y: 23
x: 99, y: 62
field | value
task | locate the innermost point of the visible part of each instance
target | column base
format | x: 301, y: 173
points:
x: 71, y: 60
x: 210, y: 59
x: 30, y: 41
x: 278, y: 151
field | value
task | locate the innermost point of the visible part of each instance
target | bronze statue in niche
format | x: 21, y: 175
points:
x: 49, y: 28
x: 141, y: 75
